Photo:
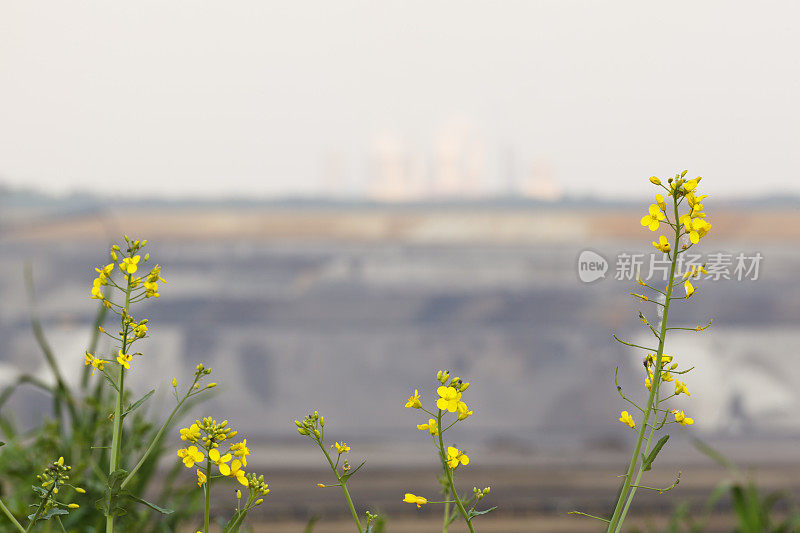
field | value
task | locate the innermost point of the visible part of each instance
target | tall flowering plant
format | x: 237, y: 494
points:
x: 680, y: 212
x: 450, y: 410
x: 130, y: 289
x: 205, y: 440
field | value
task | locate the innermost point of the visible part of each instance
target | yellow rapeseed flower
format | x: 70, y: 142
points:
x: 129, y: 265
x: 414, y: 402
x: 682, y: 419
x: 662, y: 244
x: 412, y: 498
x: 201, y: 478
x: 220, y: 460
x: 342, y: 448
x: 681, y: 388
x: 192, y: 433
x: 95, y: 362
x: 626, y: 418
x: 190, y: 456
x: 431, y: 426
x: 463, y: 411
x: 124, y: 359
x: 653, y: 218
x: 241, y: 451
x: 456, y: 456
x: 235, y: 471
x: 689, y: 288
x: 449, y: 398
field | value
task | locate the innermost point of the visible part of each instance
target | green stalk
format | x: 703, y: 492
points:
x: 615, y: 524
x: 342, y: 484
x: 449, y: 474
x: 116, y: 436
x: 207, y: 513
x: 11, y: 517
x: 446, y: 522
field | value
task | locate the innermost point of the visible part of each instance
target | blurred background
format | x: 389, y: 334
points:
x: 347, y: 197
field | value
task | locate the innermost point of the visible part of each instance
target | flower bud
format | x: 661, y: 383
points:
x: 174, y: 382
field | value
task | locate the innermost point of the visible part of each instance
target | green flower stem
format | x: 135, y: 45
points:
x: 207, y: 513
x: 11, y: 517
x: 449, y: 474
x: 615, y: 524
x: 116, y: 436
x: 446, y: 523
x: 343, y: 484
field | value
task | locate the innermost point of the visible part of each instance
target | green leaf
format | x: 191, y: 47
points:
x: 152, y: 506
x: 111, y: 381
x: 715, y: 455
x: 138, y: 403
x: 110, y: 502
x: 478, y: 513
x: 310, y: 525
x: 648, y: 462
x: 2, y: 443
x: 235, y: 522
x: 50, y: 513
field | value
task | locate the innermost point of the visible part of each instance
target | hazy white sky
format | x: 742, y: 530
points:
x: 262, y: 97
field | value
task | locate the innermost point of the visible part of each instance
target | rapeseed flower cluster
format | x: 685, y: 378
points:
x: 211, y: 447
x: 51, y: 481
x: 313, y: 427
x: 450, y: 400
x: 206, y: 436
x: 132, y: 290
